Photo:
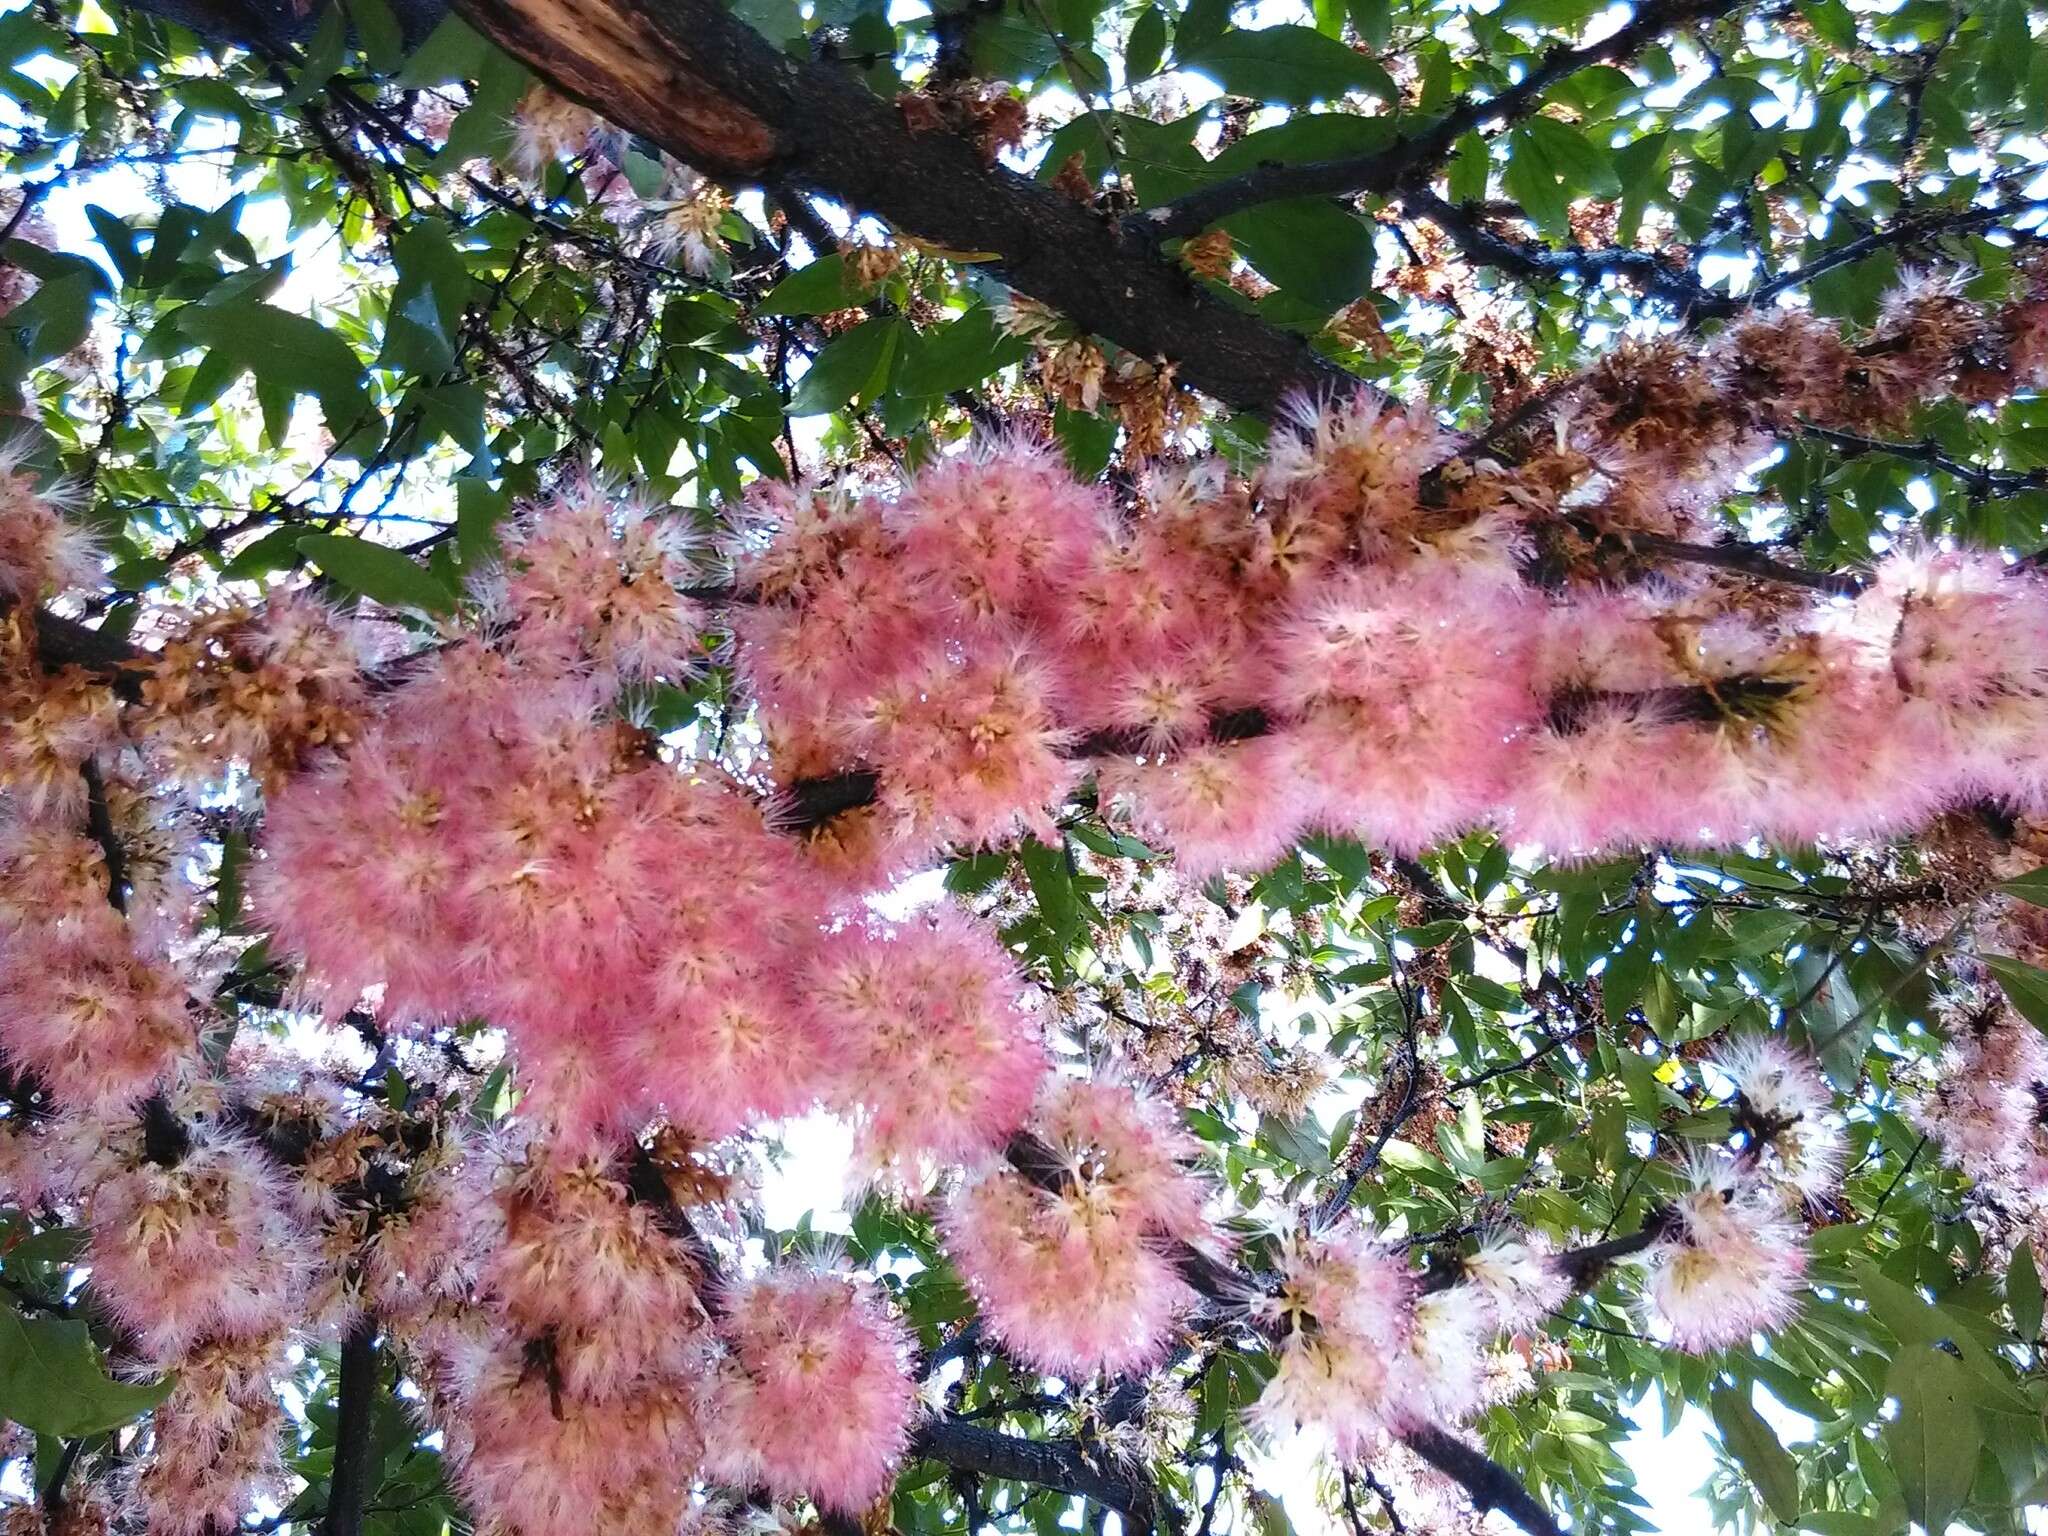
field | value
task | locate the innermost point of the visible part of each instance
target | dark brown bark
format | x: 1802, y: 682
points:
x: 692, y: 78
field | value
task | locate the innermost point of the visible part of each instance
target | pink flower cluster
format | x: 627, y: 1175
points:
x: 495, y: 842
x: 814, y: 1394
x: 598, y: 1370
x: 1073, y: 1266
x: 1247, y: 662
x: 1985, y: 1105
x: 1365, y: 1350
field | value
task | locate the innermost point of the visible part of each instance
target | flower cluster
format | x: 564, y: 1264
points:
x: 1073, y: 1262
x: 1246, y: 664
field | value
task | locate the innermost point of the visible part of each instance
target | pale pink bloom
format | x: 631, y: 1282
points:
x: 1441, y: 1372
x: 590, y: 573
x: 943, y: 1058
x: 814, y: 1395
x: 1226, y: 806
x: 1517, y: 1276
x: 1410, y: 688
x: 42, y: 553
x: 1074, y: 1274
x: 1343, y: 1313
x: 1732, y: 1266
x: 578, y: 1261
x: 1797, y: 1138
x: 533, y: 1459
x: 216, y: 1442
x: 998, y: 531
x: 99, y: 1024
x: 1968, y: 646
x: 1356, y: 463
x: 1984, y: 1107
x: 205, y: 1249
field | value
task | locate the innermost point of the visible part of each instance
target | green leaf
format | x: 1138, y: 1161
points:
x: 1310, y: 247
x: 478, y: 511
x: 1087, y: 438
x: 1289, y: 64
x: 2025, y: 987
x: 378, y: 34
x: 957, y: 354
x: 2031, y: 887
x: 852, y: 367
x: 1935, y: 1440
x: 378, y: 572
x: 453, y: 51
x: 294, y: 352
x: 1052, y: 886
x: 1754, y: 1444
x: 1147, y: 45
x: 1531, y: 180
x: 818, y: 289
x: 427, y: 301
x: 53, y: 319
x: 2023, y: 1292
x: 52, y: 1382
x: 323, y: 59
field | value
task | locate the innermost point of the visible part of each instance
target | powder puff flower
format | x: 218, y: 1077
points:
x: 1517, y: 1277
x: 593, y: 574
x: 999, y: 530
x: 580, y: 1262
x: 943, y: 1060
x: 1785, y: 1109
x: 41, y: 551
x: 1731, y: 1265
x: 99, y: 1024
x: 1219, y: 807
x: 1355, y: 465
x: 206, y: 1248
x: 1071, y: 1267
x: 532, y: 1459
x: 1343, y: 1313
x: 1983, y: 1107
x: 814, y: 1394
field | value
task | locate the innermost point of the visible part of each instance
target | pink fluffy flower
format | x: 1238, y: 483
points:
x: 1787, y: 1112
x: 1343, y: 1313
x: 942, y: 1058
x: 1358, y: 464
x: 206, y: 1248
x: 1409, y: 687
x: 1219, y: 807
x: 1983, y: 1106
x: 814, y: 1394
x: 1071, y: 1265
x: 1732, y: 1265
x: 97, y: 1022
x: 997, y: 531
x: 593, y: 573
x: 1517, y: 1277
x: 1968, y: 645
x: 41, y: 552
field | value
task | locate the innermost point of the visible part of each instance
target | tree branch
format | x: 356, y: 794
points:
x: 1060, y: 1465
x: 1410, y: 159
x: 348, y: 1492
x: 689, y: 76
x: 1486, y: 1482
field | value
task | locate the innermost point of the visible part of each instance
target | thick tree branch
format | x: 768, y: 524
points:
x: 1414, y: 157
x: 1060, y: 1465
x: 690, y: 77
x: 1486, y: 1482
x: 348, y: 1493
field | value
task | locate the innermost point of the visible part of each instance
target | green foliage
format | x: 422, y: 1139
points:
x: 234, y: 236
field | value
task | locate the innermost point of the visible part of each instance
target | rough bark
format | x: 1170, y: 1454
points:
x: 703, y: 85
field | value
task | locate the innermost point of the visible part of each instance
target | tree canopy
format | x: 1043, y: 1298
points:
x: 1364, y: 686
